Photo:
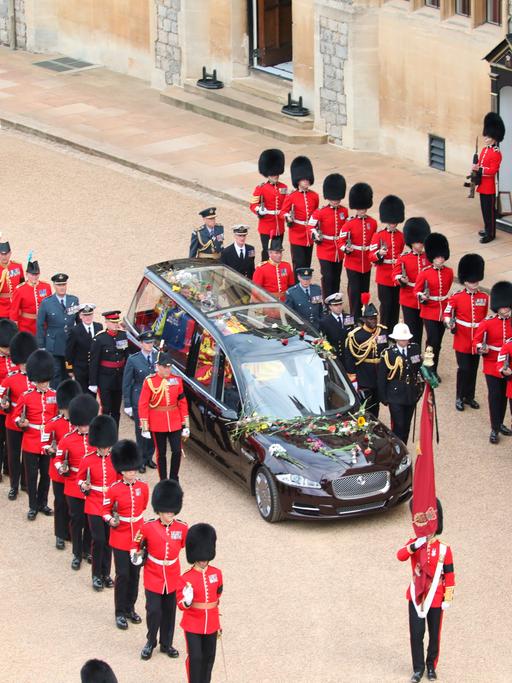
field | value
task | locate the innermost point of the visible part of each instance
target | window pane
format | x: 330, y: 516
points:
x: 206, y: 361
x: 176, y: 328
x: 432, y: 3
x: 463, y: 7
x: 493, y: 12
x: 143, y: 311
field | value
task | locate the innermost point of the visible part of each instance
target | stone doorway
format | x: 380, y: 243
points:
x: 271, y: 35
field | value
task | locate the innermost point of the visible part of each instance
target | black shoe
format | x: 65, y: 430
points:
x: 493, y: 437
x: 31, y: 515
x: 76, y: 563
x: 431, y: 673
x: 472, y: 403
x: 46, y: 510
x: 134, y: 617
x: 486, y: 239
x: 23, y: 487
x: 13, y: 494
x: 417, y: 676
x: 170, y: 651
x: 459, y: 404
x: 107, y: 582
x: 142, y: 469
x: 152, y: 465
x: 88, y: 557
x: 121, y: 622
x: 505, y: 431
x: 59, y: 543
x: 482, y: 233
x: 147, y: 651
x: 97, y: 583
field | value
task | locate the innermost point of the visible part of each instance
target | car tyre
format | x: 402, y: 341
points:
x: 267, y: 496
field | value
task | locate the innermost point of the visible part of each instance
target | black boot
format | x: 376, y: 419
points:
x: 170, y: 651
x: 494, y: 438
x: 59, y: 543
x: 121, y: 622
x: 431, y: 673
x: 97, y: 583
x: 417, y: 676
x: 459, y: 404
x: 147, y: 651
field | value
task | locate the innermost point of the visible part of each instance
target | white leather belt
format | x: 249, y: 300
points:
x: 130, y: 519
x: 271, y: 213
x: 465, y: 324
x: 13, y: 403
x: 38, y: 427
x: 74, y: 469
x: 437, y: 298
x: 331, y: 238
x: 390, y: 261
x: 357, y: 247
x: 300, y: 222
x: 162, y: 563
x: 493, y: 348
x: 100, y: 489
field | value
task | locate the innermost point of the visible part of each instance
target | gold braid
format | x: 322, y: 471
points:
x: 393, y: 368
x: 158, y: 394
x: 361, y: 351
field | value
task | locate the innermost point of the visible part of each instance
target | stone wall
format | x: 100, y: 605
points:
x: 167, y: 45
x: 21, y: 24
x: 4, y: 23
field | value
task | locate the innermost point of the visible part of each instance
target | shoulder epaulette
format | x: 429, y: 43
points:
x: 56, y: 417
x: 117, y: 481
x: 490, y: 316
x: 13, y: 372
x: 99, y: 332
x: 20, y: 285
x: 382, y: 327
x: 354, y: 330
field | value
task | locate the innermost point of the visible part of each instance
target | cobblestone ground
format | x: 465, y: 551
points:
x: 303, y: 603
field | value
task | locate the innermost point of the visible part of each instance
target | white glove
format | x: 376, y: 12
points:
x: 129, y: 412
x: 93, y: 388
x: 185, y: 432
x: 419, y: 542
x: 146, y: 435
x: 135, y: 557
x: 188, y: 595
x: 315, y: 234
x: 445, y: 605
x: 262, y: 210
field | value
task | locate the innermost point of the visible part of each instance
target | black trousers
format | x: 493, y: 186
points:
x: 160, y: 439
x: 265, y: 239
x: 146, y: 446
x: 60, y: 511
x: 14, y: 456
x: 82, y: 377
x: 357, y: 284
x: 37, y: 478
x: 301, y: 256
x: 371, y: 396
x: 414, y: 322
x: 488, y: 207
x: 160, y: 616
x: 80, y: 535
x: 59, y: 371
x: 389, y: 306
x: 126, y: 584
x: 4, y: 460
x: 497, y: 397
x: 435, y: 332
x: 110, y: 401
x: 401, y: 418
x: 467, y: 369
x: 201, y: 656
x: 434, y: 620
x: 100, y: 550
x: 331, y: 276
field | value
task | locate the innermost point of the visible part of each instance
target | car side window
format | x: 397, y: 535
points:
x: 175, y: 327
x: 143, y: 311
x: 206, y: 361
x: 227, y: 390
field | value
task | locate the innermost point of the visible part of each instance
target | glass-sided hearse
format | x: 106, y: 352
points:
x: 269, y: 404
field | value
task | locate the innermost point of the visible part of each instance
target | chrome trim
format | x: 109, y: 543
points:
x: 351, y: 479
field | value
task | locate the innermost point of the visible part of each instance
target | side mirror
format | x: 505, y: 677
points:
x: 229, y: 414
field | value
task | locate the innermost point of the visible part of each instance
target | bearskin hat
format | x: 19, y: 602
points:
x: 40, y: 367
x: 97, y: 671
x: 126, y: 456
x: 391, y: 210
x: 67, y: 390
x: 301, y: 169
x: 501, y: 295
x: 494, y: 127
x: 416, y: 230
x: 8, y: 329
x: 82, y: 410
x: 335, y: 186
x: 200, y: 543
x: 436, y: 245
x: 102, y: 431
x: 275, y: 244
x: 360, y: 196
x: 167, y: 496
x: 369, y: 309
x: 21, y: 346
x: 471, y: 268
x: 271, y: 162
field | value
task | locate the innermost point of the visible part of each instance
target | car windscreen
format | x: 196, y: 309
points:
x: 293, y: 384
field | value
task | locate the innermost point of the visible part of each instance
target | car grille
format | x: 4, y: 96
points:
x: 361, y: 485
x: 362, y: 507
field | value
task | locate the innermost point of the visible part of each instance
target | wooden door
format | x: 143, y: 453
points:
x: 274, y: 32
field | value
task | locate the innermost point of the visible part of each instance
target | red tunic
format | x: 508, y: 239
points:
x: 56, y: 429
x: 163, y: 543
x: 269, y: 196
x: 300, y: 206
x: 102, y: 475
x: 359, y: 230
x: 275, y: 278
x: 329, y: 220
x: 505, y: 356
x: 76, y: 445
x: 15, y: 384
x: 10, y: 277
x: 25, y: 305
x: 6, y: 366
x: 447, y: 578
x: 207, y: 585
x: 496, y: 330
x: 40, y: 407
x: 131, y: 500
x: 489, y: 161
x: 439, y: 282
x: 412, y: 263
x: 394, y: 241
x: 469, y: 310
x: 162, y: 403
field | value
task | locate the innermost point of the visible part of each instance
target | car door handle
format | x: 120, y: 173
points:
x: 201, y: 409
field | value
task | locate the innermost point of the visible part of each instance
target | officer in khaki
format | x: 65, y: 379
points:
x: 208, y: 240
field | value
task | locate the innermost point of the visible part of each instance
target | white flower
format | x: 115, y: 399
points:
x: 277, y: 450
x: 274, y: 326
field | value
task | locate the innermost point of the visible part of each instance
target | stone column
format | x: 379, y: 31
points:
x: 5, y: 23
x: 168, y: 53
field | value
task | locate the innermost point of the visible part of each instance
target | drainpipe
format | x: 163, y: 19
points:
x: 11, y: 14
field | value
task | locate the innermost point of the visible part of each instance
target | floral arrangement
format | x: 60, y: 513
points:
x: 319, y: 344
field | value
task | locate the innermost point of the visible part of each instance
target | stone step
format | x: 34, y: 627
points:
x: 200, y: 104
x: 251, y: 103
x: 264, y: 86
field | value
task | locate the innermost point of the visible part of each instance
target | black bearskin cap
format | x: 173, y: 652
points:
x: 416, y: 230
x: 167, y: 496
x: 82, y: 410
x: 501, y: 295
x: 103, y: 431
x: 40, y: 367
x: 360, y: 196
x: 271, y: 162
x: 67, y: 390
x: 97, y: 671
x: 8, y: 329
x: 335, y: 186
x: 301, y: 169
x: 437, y: 245
x: 126, y: 456
x: 471, y: 268
x: 21, y: 346
x: 494, y: 127
x: 391, y: 210
x: 200, y: 543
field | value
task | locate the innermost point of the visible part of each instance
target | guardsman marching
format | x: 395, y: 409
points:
x: 430, y: 594
x: 432, y: 289
x: 78, y: 345
x: 55, y: 430
x: 95, y: 476
x: 8, y: 330
x: 208, y: 240
x: 27, y: 299
x: 128, y: 499
x: 387, y: 245
x: 198, y: 595
x: 70, y: 452
x: 504, y: 359
x: 97, y: 671
x: 275, y: 275
x: 35, y: 408
x: 336, y: 324
x: 163, y: 414
x: 239, y: 255
x: 357, y: 237
x: 11, y: 275
x: 405, y: 273
x: 363, y: 349
x: 488, y: 165
x: 400, y: 383
x: 297, y: 209
x: 305, y: 298
x: 491, y: 335
x: 11, y: 388
x: 109, y: 352
x: 462, y: 315
x: 161, y: 541
x: 326, y: 227
x: 268, y: 197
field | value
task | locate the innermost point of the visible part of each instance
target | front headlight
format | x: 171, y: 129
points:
x: 405, y: 463
x: 298, y: 480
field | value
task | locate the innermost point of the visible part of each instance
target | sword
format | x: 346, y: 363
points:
x: 87, y: 481
x: 223, y: 653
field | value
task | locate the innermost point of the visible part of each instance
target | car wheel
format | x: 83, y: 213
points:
x: 267, y: 496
